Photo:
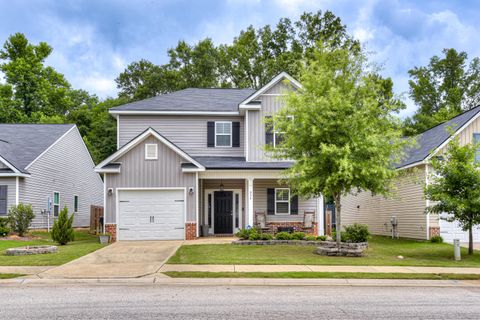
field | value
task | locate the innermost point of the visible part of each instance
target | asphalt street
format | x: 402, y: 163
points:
x: 237, y: 302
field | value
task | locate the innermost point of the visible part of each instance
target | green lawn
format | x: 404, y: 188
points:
x: 322, y: 275
x: 84, y: 243
x: 9, y: 275
x: 382, y: 251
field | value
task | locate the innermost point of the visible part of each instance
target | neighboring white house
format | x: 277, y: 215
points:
x: 49, y: 167
x: 408, y: 203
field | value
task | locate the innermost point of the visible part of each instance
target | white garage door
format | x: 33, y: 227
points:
x: 151, y: 215
x: 452, y: 230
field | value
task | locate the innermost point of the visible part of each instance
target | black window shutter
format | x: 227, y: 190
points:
x: 270, y: 201
x: 294, y: 205
x: 268, y: 133
x: 3, y: 200
x: 236, y: 134
x: 210, y: 134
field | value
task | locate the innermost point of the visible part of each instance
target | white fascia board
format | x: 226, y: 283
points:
x: 100, y: 170
x: 142, y: 137
x: 247, y: 107
x: 272, y: 82
x: 187, y: 170
x: 415, y: 164
x: 51, y: 146
x: 184, y: 113
x: 14, y: 174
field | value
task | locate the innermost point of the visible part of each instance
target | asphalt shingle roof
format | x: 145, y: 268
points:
x: 191, y: 99
x: 431, y: 139
x: 20, y: 144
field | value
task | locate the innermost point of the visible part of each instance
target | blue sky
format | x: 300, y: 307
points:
x: 93, y: 41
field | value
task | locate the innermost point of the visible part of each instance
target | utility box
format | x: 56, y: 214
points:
x: 394, y: 223
x: 456, y: 249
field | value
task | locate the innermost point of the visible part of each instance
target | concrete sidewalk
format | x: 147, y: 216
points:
x: 314, y: 268
x: 28, y: 270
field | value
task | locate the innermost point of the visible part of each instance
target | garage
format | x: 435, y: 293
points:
x: 151, y: 214
x: 452, y: 230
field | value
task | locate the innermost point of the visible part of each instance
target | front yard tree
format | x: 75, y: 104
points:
x: 340, y: 129
x: 455, y: 187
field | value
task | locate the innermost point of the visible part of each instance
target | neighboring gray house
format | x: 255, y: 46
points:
x: 192, y: 163
x: 49, y: 167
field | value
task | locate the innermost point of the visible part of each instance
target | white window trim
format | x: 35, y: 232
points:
x: 147, y: 145
x: 282, y: 201
x: 275, y: 132
x: 223, y: 134
x: 78, y: 203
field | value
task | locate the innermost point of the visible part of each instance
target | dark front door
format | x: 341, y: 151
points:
x: 223, y: 214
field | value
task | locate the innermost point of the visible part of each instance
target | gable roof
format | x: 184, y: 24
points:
x: 22, y: 144
x: 433, y: 139
x: 189, y: 100
x: 107, y: 165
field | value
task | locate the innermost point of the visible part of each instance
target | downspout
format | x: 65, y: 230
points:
x: 17, y: 187
x: 427, y: 203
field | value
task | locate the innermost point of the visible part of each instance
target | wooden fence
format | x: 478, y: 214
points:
x: 96, y: 219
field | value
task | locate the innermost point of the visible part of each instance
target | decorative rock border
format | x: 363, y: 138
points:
x: 275, y: 242
x: 23, y: 251
x: 330, y: 248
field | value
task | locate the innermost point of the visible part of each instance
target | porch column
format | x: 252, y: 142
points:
x: 250, y: 202
x: 320, y: 216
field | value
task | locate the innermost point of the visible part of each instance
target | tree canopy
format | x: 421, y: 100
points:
x: 444, y: 88
x: 340, y: 129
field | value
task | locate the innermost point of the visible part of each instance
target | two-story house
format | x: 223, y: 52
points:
x: 192, y: 163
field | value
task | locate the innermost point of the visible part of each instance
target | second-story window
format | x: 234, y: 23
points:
x: 278, y: 135
x: 223, y: 134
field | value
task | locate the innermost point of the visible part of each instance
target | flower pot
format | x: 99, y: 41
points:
x: 104, y: 239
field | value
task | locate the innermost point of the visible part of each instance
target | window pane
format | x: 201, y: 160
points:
x: 223, y: 127
x: 278, y: 138
x: 75, y: 204
x: 283, y: 194
x: 223, y: 140
x: 282, y: 207
x: 56, y: 198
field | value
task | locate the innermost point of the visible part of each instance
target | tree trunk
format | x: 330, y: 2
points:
x: 338, y: 221
x: 470, y: 239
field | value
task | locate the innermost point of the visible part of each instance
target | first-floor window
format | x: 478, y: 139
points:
x: 56, y: 203
x: 282, y: 201
x: 3, y: 200
x: 75, y: 204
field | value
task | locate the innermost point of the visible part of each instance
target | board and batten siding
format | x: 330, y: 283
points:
x: 11, y: 183
x: 137, y: 172
x: 271, y: 101
x: 68, y: 169
x: 260, y: 187
x: 407, y: 203
x: 466, y: 135
x: 187, y: 132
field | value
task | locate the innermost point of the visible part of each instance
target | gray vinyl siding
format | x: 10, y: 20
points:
x: 187, y: 132
x: 66, y: 168
x: 407, y: 203
x: 270, y: 104
x: 136, y: 172
x: 260, y: 187
x: 11, y: 184
x: 228, y: 184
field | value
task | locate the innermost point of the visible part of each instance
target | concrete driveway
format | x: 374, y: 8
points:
x: 125, y: 259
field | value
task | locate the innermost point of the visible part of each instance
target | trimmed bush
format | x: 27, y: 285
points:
x: 298, y: 236
x: 266, y: 236
x: 322, y: 238
x: 243, y: 234
x: 283, y: 236
x: 4, y: 229
x: 62, y: 231
x: 311, y: 238
x: 436, y: 239
x: 342, y: 235
x: 356, y: 233
x: 20, y: 217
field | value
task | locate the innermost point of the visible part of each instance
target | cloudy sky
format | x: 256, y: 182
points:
x: 93, y: 41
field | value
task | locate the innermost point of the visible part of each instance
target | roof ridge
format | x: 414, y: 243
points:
x: 444, y: 122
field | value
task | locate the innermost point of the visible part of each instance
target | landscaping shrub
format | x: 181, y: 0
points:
x: 243, y: 234
x: 298, y: 236
x: 266, y: 236
x: 436, y: 239
x: 356, y: 233
x: 4, y: 229
x: 283, y: 236
x: 342, y: 235
x: 254, y: 235
x: 62, y: 231
x: 322, y: 238
x: 20, y: 217
x: 311, y: 238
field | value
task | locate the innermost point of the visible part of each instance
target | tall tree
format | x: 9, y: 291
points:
x: 444, y: 88
x: 339, y: 129
x: 455, y: 186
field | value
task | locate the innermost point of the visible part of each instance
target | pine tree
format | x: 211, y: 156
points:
x: 62, y: 231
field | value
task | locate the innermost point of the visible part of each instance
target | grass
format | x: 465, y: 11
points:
x: 9, y: 275
x: 84, y: 243
x: 324, y: 275
x: 382, y: 251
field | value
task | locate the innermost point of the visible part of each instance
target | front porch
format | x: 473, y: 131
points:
x: 228, y: 203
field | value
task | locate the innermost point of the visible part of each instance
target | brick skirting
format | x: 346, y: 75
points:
x: 190, y: 231
x: 434, y: 231
x: 297, y: 225
x: 112, y: 229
